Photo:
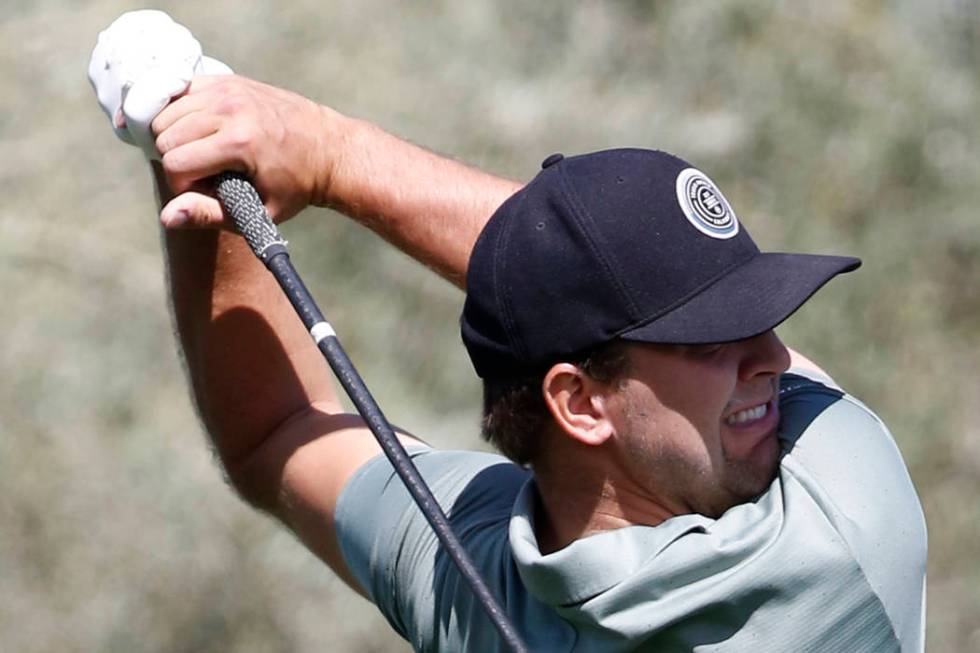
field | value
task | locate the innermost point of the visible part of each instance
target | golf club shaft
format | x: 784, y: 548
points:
x: 243, y: 204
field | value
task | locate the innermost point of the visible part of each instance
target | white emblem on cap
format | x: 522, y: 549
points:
x: 704, y: 206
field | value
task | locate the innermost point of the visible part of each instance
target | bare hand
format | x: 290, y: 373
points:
x: 276, y: 137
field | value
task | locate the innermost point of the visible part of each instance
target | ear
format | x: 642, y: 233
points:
x: 577, y: 403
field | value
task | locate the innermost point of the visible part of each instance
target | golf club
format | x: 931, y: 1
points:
x: 241, y: 201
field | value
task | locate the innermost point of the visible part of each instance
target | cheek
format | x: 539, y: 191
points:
x: 694, y: 438
x: 695, y: 411
x: 677, y: 414
x: 664, y: 436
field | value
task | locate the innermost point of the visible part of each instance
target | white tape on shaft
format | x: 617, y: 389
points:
x: 322, y: 330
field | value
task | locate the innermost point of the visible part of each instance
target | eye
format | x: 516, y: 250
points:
x: 706, y: 349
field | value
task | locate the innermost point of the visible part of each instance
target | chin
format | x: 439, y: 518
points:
x: 760, y: 480
x: 750, y: 478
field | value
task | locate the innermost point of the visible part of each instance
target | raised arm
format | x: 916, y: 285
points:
x: 262, y: 389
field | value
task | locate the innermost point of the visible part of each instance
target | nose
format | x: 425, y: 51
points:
x: 765, y: 354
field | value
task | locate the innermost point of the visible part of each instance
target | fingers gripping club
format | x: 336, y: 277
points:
x: 247, y: 212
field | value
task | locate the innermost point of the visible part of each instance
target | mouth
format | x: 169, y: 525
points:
x: 746, y: 415
x: 749, y: 437
x: 753, y: 423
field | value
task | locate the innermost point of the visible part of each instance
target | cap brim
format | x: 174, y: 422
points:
x: 749, y: 300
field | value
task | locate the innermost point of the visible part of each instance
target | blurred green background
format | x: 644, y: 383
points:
x: 838, y: 126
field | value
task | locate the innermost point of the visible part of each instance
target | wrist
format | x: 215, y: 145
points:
x: 334, y: 135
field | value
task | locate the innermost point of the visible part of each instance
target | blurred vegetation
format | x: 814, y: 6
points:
x: 840, y: 126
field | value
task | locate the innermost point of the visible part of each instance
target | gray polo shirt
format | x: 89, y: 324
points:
x: 830, y: 558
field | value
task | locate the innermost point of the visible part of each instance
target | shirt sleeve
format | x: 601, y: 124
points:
x: 846, y: 457
x: 392, y: 551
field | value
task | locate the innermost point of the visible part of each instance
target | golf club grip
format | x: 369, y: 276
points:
x: 242, y: 202
x: 244, y: 206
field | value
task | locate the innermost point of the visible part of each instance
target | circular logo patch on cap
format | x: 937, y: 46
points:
x: 704, y: 206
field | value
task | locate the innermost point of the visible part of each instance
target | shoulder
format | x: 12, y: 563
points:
x: 377, y: 521
x: 842, y: 457
x: 817, y: 415
x: 395, y: 555
x: 449, y: 473
x: 803, y: 396
x: 833, y: 434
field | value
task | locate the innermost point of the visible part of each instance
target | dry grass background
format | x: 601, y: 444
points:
x: 835, y: 126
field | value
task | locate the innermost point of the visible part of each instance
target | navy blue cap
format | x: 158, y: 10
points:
x: 628, y: 243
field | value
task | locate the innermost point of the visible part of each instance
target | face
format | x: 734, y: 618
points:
x: 696, y: 424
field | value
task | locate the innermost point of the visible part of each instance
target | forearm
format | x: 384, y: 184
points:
x: 250, y: 361
x: 431, y: 207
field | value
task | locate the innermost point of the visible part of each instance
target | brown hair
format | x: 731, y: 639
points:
x: 514, y: 411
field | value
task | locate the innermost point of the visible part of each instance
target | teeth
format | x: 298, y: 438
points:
x: 747, y: 415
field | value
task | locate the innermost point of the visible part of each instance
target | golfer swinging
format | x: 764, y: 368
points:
x: 682, y: 480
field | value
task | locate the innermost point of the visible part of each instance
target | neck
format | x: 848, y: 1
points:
x: 573, y: 504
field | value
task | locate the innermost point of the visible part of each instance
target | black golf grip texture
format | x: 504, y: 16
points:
x: 242, y: 202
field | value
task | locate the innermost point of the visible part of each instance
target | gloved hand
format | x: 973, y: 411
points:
x: 140, y: 62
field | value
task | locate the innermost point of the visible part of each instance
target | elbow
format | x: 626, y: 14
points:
x: 253, y: 483
x: 259, y: 476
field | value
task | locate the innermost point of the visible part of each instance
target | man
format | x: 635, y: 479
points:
x: 677, y: 490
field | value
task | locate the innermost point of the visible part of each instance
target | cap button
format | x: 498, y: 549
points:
x: 552, y: 160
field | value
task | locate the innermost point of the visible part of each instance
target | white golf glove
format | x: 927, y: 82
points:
x: 140, y: 62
